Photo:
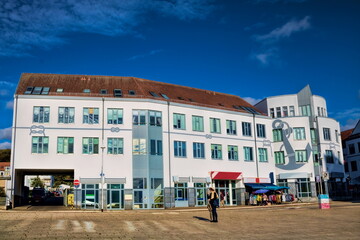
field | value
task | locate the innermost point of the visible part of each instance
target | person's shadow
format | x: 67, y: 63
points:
x: 201, y: 219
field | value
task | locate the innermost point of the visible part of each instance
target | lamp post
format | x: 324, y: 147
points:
x: 102, y: 175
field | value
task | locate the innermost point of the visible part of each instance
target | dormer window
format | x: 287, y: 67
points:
x: 132, y: 92
x: 117, y: 93
x: 103, y: 91
x: 45, y: 91
x: 154, y: 94
x: 164, y: 95
x: 37, y: 90
x: 86, y: 91
x: 60, y: 90
x: 28, y: 90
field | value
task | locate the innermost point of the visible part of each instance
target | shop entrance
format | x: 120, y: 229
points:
x: 115, y: 196
x: 226, y: 189
x: 90, y: 196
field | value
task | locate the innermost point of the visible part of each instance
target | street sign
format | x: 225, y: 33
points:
x: 76, y: 182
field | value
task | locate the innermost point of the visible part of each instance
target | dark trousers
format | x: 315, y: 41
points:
x: 214, y: 213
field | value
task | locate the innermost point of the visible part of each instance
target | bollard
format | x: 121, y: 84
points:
x: 324, y: 201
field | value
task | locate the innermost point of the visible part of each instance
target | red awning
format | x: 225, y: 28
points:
x: 225, y: 175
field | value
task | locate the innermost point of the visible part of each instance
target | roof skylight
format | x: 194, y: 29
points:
x: 117, y: 93
x: 153, y: 94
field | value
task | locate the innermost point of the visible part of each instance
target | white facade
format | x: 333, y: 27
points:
x: 302, y: 120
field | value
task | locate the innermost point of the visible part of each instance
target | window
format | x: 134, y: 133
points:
x: 59, y: 90
x: 346, y: 165
x: 233, y: 153
x: 164, y: 95
x: 337, y: 136
x: 305, y: 110
x: 115, y: 146
x: 66, y: 115
x: 283, y: 183
x: 351, y: 149
x: 28, y: 90
x: 299, y: 133
x: 86, y: 91
x: 199, y: 150
x: 319, y: 112
x: 354, y: 167
x: 37, y: 90
x: 65, y: 145
x: 139, y: 183
x: 277, y: 135
x: 139, y: 117
x: 103, y: 91
x: 114, y: 116
x: 117, y: 93
x: 91, y: 115
x: 179, y: 121
x: 132, y: 92
x: 272, y: 113
x: 313, y: 136
x: 291, y: 111
x: 45, y: 91
x: 90, y: 145
x: 231, y: 127
x: 40, y: 145
x: 246, y: 128
x: 339, y: 157
x: 179, y: 149
x: 155, y: 118
x: 279, y: 157
x: 41, y: 114
x: 154, y: 94
x: 278, y: 112
x: 216, y: 151
x: 156, y: 147
x: 300, y: 156
x: 139, y: 146
x: 329, y: 156
x: 263, y: 156
x: 260, y: 128
x: 326, y: 133
x: 248, y: 154
x: 215, y: 125
x: 285, y: 111
x: 197, y: 123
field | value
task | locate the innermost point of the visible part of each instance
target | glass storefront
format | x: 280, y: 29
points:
x: 90, y: 196
x: 115, y: 196
x: 201, y: 197
x: 226, y: 190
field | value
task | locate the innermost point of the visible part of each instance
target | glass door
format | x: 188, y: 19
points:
x: 200, y: 189
x: 115, y: 196
x: 90, y: 196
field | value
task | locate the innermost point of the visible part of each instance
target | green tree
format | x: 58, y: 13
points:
x: 37, y: 182
x: 5, y: 155
x: 63, y: 179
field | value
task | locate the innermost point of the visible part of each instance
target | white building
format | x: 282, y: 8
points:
x: 351, y: 148
x: 306, y: 144
x: 143, y: 144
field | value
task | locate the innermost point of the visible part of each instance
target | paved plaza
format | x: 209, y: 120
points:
x: 291, y: 221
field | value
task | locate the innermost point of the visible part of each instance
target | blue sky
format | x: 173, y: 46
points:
x: 250, y: 48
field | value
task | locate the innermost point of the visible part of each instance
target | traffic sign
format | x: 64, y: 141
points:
x: 76, y: 182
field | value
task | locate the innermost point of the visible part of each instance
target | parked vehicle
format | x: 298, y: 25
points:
x: 38, y: 195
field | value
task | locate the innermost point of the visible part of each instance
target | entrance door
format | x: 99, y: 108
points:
x: 90, y: 196
x: 226, y: 190
x: 200, y: 189
x: 115, y: 196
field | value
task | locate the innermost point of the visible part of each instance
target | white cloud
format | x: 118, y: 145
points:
x: 5, y: 145
x: 153, y: 52
x: 4, y: 92
x: 285, y: 31
x: 251, y: 100
x: 5, y: 133
x: 268, y: 56
x: 352, y: 113
x: 10, y: 105
x: 43, y: 24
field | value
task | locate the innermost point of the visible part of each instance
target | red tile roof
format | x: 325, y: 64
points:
x: 74, y: 85
x: 345, y: 134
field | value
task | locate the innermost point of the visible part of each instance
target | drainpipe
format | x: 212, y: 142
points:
x: 169, y: 143
x: 12, y: 203
x: 102, y: 157
x: 256, y: 155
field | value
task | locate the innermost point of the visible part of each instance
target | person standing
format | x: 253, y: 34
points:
x: 212, y: 196
x: 222, y: 198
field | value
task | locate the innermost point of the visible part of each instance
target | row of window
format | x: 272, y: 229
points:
x: 353, y: 165
x: 304, y: 110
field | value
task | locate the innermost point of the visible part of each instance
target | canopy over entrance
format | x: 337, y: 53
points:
x: 267, y: 186
x: 225, y: 175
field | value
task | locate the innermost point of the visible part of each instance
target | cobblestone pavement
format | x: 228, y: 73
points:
x: 294, y: 221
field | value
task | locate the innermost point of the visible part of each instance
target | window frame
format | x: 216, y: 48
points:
x: 215, y: 125
x: 198, y: 150
x: 43, y: 145
x: 216, y: 151
x: 180, y: 149
x: 197, y: 123
x: 246, y: 129
x: 91, y: 145
x: 91, y: 118
x: 117, y: 146
x: 233, y: 153
x: 62, y: 151
x: 179, y: 121
x: 231, y: 127
x: 67, y: 118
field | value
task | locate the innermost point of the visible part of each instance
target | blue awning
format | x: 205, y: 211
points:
x: 268, y: 186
